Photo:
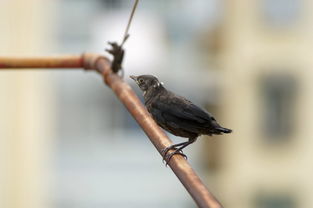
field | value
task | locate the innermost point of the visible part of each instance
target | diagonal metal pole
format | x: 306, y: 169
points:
x: 123, y: 91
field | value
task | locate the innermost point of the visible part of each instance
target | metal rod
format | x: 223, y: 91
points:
x: 41, y: 62
x: 129, y: 22
x: 127, y: 96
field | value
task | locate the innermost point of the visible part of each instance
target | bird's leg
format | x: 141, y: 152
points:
x: 167, y: 158
x: 179, y: 152
x: 172, y: 147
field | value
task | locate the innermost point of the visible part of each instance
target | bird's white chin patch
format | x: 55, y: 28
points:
x: 157, y: 85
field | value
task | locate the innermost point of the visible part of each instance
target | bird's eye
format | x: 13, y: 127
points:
x: 140, y: 81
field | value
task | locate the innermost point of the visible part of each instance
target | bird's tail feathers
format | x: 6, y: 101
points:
x: 221, y: 130
x: 225, y: 130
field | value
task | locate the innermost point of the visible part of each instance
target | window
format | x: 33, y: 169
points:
x: 274, y: 200
x: 280, y: 13
x: 112, y: 4
x: 278, y: 107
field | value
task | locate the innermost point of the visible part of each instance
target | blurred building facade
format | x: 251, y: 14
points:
x: 263, y: 53
x: 25, y: 122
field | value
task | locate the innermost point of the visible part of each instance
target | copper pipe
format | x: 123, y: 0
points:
x: 41, y: 62
x: 123, y: 91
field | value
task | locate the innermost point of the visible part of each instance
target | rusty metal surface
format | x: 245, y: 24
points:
x: 123, y: 91
x: 41, y: 62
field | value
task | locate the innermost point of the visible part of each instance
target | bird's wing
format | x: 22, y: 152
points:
x: 179, y: 112
x: 185, y: 109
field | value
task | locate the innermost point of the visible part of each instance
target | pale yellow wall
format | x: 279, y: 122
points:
x: 249, y: 49
x: 25, y: 130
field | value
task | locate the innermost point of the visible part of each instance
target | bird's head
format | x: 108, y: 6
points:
x: 147, y: 82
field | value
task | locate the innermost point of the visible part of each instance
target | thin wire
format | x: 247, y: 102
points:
x: 126, y: 35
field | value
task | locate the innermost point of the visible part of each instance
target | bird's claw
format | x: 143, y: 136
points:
x: 167, y: 157
x: 165, y: 150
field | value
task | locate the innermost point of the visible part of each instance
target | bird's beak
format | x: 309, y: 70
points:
x: 133, y: 77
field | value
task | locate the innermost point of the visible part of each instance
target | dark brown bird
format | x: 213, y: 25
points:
x: 176, y: 114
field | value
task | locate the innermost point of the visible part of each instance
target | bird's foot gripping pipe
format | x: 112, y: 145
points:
x: 167, y: 156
